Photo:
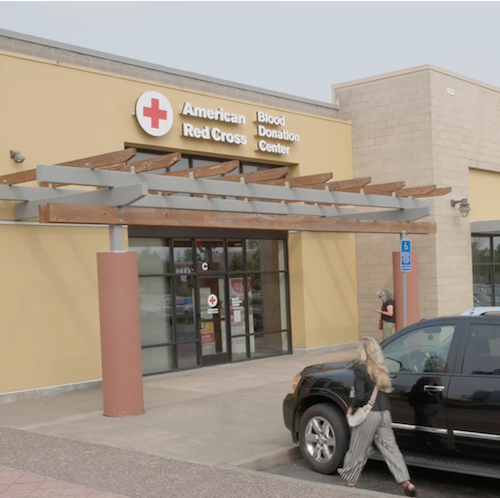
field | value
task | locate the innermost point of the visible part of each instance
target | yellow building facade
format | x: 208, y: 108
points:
x: 59, y: 106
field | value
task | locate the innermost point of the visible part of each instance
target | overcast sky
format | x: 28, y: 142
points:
x: 300, y: 48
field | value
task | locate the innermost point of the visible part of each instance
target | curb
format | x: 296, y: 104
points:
x: 270, y: 459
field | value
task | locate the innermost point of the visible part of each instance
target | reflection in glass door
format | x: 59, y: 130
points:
x: 212, y: 320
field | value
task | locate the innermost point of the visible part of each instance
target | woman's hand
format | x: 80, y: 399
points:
x: 349, y: 410
x: 378, y: 311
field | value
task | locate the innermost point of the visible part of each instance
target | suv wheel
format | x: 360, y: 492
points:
x: 323, y: 438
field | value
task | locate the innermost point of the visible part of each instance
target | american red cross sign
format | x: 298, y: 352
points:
x: 154, y: 113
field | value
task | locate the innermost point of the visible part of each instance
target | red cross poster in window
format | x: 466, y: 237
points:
x: 154, y: 113
x: 212, y: 300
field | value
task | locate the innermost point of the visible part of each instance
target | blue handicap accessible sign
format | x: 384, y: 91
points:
x: 405, y: 255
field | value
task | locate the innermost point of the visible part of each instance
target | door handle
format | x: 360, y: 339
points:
x: 433, y: 389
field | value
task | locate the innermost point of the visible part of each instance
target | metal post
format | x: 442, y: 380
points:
x: 403, y: 236
x: 115, y: 238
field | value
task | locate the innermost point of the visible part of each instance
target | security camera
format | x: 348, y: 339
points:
x: 17, y: 156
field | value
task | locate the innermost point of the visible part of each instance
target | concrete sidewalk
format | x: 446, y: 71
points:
x: 202, y: 430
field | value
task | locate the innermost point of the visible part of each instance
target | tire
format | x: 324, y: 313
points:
x: 323, y: 438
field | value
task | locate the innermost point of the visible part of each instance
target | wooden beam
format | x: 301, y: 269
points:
x: 302, y: 181
x: 206, y: 171
x: 88, y: 162
x: 133, y: 216
x: 201, y: 172
x: 159, y: 162
x: 434, y: 193
x: 102, y: 160
x: 416, y: 191
x: 264, y: 175
x: 142, y: 166
x: 345, y: 185
x: 298, y: 181
x: 378, y: 188
x: 258, y: 176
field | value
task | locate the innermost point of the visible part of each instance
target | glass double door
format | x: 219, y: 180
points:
x: 222, y: 319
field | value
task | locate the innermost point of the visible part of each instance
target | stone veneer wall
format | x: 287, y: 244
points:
x: 408, y: 126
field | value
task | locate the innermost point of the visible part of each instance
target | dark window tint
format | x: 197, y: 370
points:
x: 482, y: 354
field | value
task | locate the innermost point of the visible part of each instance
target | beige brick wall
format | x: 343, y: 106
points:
x: 408, y: 126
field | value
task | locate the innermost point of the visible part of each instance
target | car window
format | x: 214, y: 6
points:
x: 422, y: 350
x: 482, y: 352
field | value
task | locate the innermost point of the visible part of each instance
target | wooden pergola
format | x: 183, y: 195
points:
x: 119, y: 191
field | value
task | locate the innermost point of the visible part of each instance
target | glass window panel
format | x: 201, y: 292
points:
x: 496, y: 286
x: 268, y: 345
x: 155, y: 310
x: 482, y: 354
x: 187, y: 355
x: 238, y: 297
x: 204, y: 162
x: 239, y: 352
x: 481, y: 250
x: 481, y: 286
x: 251, y: 168
x: 265, y: 255
x: 183, y: 257
x: 143, y: 155
x: 158, y: 359
x: 419, y: 351
x: 235, y: 255
x: 210, y: 255
x: 153, y: 255
x: 178, y: 166
x: 184, y: 309
x: 268, y: 302
x: 253, y: 254
x: 496, y: 249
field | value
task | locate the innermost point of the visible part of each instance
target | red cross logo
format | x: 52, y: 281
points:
x: 212, y: 300
x: 154, y: 113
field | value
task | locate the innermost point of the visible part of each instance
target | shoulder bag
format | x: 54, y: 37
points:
x: 362, y: 412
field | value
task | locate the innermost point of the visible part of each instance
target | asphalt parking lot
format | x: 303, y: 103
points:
x: 376, y: 477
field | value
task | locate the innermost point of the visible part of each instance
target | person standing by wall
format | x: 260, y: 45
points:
x: 370, y: 371
x: 387, y: 313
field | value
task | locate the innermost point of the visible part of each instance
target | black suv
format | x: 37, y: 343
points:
x: 445, y: 401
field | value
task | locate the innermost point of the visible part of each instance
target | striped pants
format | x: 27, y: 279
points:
x: 375, y: 429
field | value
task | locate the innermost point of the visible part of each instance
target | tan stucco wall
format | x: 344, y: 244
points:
x: 49, y: 318
x: 484, y: 187
x: 53, y: 112
x: 324, y: 292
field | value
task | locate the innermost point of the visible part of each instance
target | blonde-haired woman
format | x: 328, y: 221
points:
x: 371, y: 371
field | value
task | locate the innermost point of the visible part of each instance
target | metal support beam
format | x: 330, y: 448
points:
x: 117, y: 196
x: 409, y: 214
x: 214, y: 187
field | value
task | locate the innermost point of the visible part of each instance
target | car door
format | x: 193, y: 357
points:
x: 474, y: 393
x: 420, y: 365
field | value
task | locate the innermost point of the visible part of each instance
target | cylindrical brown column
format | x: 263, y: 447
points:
x: 412, y: 290
x: 120, y: 333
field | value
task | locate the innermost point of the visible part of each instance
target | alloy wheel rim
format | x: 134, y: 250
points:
x: 320, y: 439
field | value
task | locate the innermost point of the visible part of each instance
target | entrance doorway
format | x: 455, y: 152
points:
x: 220, y: 297
x: 212, y: 324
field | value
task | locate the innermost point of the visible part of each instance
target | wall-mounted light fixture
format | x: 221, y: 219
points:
x: 17, y: 156
x: 463, y: 207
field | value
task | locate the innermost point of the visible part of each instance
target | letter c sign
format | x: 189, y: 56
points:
x: 204, y: 266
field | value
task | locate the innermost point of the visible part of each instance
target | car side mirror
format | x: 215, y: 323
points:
x: 393, y: 366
